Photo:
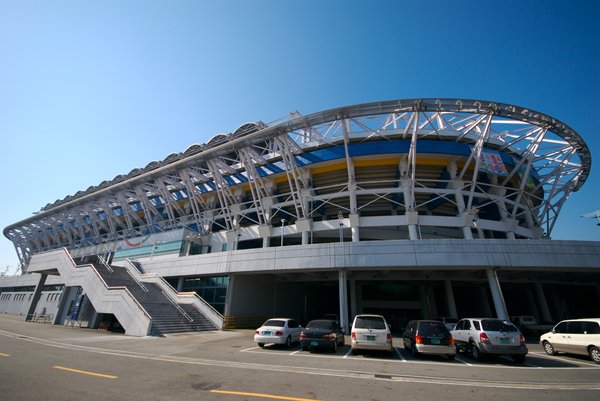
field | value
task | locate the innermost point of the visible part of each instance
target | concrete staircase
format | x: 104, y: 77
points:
x: 144, y: 304
x: 168, y: 316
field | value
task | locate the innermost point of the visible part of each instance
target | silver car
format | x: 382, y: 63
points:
x: 371, y: 332
x: 278, y: 331
x: 489, y: 336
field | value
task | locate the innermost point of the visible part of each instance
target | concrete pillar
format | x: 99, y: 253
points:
x: 180, y: 284
x: 36, y: 296
x: 450, y: 299
x: 424, y: 302
x: 352, y: 291
x: 229, y: 296
x: 304, y: 237
x: 343, y: 300
x: 433, y: 312
x: 485, y: 302
x: 60, y: 311
x: 265, y: 242
x: 545, y: 310
x: 494, y: 284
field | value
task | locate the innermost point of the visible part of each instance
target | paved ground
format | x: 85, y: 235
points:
x: 68, y: 363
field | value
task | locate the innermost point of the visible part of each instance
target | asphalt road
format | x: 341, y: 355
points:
x: 61, y: 363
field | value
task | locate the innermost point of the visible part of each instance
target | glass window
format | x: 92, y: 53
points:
x: 498, y: 325
x: 561, y: 327
x: 591, y: 328
x: 477, y: 326
x: 369, y: 322
x: 575, y: 327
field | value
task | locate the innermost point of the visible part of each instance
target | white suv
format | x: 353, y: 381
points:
x: 481, y: 336
x: 371, y: 332
x: 577, y: 336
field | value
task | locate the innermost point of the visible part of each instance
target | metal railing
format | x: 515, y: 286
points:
x: 139, y: 283
x: 179, y: 308
x: 104, y: 263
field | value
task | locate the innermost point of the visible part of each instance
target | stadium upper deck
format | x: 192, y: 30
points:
x: 415, y: 168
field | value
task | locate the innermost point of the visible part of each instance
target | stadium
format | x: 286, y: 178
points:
x: 414, y: 208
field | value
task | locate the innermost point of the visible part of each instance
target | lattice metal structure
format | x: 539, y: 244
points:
x: 402, y: 169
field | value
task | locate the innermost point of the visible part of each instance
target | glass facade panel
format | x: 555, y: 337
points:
x: 212, y: 289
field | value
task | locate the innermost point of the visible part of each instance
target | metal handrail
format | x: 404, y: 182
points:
x: 178, y: 293
x: 142, y: 286
x: 179, y: 308
x: 105, y: 264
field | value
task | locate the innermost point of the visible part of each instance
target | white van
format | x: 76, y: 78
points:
x: 576, y: 336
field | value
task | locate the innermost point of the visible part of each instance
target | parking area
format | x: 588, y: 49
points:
x: 536, y: 358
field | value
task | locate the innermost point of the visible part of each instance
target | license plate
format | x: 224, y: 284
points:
x: 370, y: 338
x: 314, y: 343
x: 504, y: 340
x: 435, y: 341
x: 267, y: 333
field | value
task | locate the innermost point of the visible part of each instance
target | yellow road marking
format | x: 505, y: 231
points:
x: 85, y: 372
x: 3, y: 354
x: 277, y: 397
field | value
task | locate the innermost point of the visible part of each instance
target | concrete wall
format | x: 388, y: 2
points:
x: 399, y: 254
x: 253, y: 295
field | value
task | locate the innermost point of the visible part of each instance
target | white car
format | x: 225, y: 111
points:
x: 278, y: 331
x: 371, y: 332
x: 577, y: 336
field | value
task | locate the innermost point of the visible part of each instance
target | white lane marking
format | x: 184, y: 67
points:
x: 544, y: 355
x: 348, y: 353
x: 249, y: 349
x: 462, y: 360
x: 397, y: 351
x: 312, y: 371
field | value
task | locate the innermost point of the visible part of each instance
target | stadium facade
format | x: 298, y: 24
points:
x: 411, y: 208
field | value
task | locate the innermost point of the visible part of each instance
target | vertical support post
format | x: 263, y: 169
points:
x: 541, y: 298
x: 352, y: 290
x: 36, y: 296
x: 497, y: 297
x: 343, y: 299
x: 180, y: 284
x: 229, y: 297
x: 304, y: 237
x: 452, y: 312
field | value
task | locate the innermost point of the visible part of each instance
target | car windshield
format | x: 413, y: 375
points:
x: 498, y: 325
x: 275, y: 323
x: 369, y: 322
x: 320, y: 324
x: 428, y: 329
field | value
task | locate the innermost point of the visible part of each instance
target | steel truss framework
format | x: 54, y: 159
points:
x: 258, y: 177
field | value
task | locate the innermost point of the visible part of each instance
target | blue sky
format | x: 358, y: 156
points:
x: 90, y: 90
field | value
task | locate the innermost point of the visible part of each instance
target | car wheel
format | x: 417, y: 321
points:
x: 414, y: 351
x: 343, y: 341
x: 451, y: 357
x: 261, y: 344
x: 476, y: 352
x: 334, y: 347
x: 518, y: 358
x: 304, y: 348
x: 549, y: 348
x: 595, y: 354
x: 288, y: 342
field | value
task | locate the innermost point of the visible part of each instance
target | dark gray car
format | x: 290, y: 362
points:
x: 428, y: 337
